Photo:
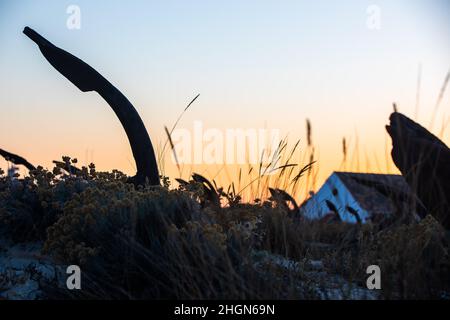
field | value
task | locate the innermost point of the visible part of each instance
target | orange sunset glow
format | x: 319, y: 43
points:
x: 340, y: 74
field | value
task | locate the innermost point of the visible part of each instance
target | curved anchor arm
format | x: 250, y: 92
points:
x: 86, y: 78
x: 18, y: 160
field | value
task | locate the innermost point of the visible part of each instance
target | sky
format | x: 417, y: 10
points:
x: 256, y: 64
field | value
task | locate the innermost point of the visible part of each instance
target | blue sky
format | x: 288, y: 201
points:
x: 255, y: 64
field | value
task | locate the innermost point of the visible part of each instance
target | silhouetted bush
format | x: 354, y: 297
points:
x: 157, y: 243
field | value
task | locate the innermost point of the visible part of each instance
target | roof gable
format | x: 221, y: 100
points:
x: 379, y: 193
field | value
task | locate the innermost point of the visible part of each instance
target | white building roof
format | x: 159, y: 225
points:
x: 360, y: 196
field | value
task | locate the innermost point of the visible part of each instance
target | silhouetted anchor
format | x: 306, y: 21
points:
x: 424, y: 161
x: 18, y: 160
x: 88, y: 79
